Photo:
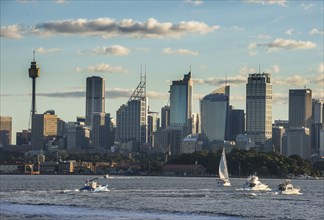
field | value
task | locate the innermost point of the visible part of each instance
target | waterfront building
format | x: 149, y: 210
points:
x: 95, y: 97
x: 259, y: 107
x: 214, y: 111
x: 5, y: 130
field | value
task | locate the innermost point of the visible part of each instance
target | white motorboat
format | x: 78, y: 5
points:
x: 223, y: 171
x: 93, y: 186
x: 286, y: 188
x: 253, y: 183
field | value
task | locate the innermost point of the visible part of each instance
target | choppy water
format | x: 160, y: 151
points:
x: 160, y: 198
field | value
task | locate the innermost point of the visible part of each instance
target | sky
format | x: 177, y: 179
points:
x: 119, y: 40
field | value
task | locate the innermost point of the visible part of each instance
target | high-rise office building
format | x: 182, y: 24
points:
x: 277, y: 135
x: 297, y: 142
x: 23, y: 138
x: 77, y: 136
x: 165, y: 117
x: 98, y: 123
x: 300, y: 108
x: 214, y: 110
x: 181, y: 101
x: 317, y: 123
x: 5, y: 130
x: 318, y: 111
x: 237, y: 123
x: 131, y: 118
x: 44, y: 126
x: 95, y: 97
x: 152, y: 126
x: 259, y: 107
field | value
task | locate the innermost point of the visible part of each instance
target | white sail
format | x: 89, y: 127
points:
x: 223, y: 172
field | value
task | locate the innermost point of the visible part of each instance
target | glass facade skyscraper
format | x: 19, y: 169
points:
x: 95, y: 97
x: 181, y: 101
x: 259, y: 107
x: 214, y: 110
x: 300, y: 108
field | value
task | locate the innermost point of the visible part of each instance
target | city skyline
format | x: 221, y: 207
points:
x: 119, y: 40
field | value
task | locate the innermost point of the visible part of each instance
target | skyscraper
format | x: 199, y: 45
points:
x: 44, y: 127
x: 165, y: 117
x: 259, y: 107
x: 317, y: 123
x: 214, y: 110
x: 181, y: 101
x: 131, y: 118
x: 300, y: 108
x: 95, y: 97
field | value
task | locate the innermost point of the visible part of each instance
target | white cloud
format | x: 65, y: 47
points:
x: 253, y: 53
x: 194, y: 2
x: 182, y: 52
x: 108, y: 28
x: 316, y: 31
x: 263, y: 36
x: 102, y: 68
x: 116, y: 50
x: 307, y: 6
x: 60, y: 1
x: 289, y: 32
x: 279, y: 98
x: 112, y: 94
x: 237, y: 28
x: 268, y: 2
x: 274, y: 69
x: 245, y: 70
x: 287, y: 44
x: 295, y: 80
x: 11, y: 31
x: 319, y: 79
x: 49, y: 50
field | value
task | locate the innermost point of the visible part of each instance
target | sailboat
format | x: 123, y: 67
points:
x: 222, y: 171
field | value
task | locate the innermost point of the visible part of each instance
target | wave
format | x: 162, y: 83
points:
x: 20, y: 211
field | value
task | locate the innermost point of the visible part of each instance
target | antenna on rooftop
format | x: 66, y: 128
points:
x: 226, y: 79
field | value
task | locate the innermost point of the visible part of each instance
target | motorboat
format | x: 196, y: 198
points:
x: 253, y: 183
x: 286, y: 188
x: 223, y: 171
x: 93, y: 186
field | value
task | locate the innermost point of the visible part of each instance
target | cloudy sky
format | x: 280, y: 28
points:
x: 113, y: 39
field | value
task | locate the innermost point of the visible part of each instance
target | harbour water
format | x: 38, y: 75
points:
x: 161, y: 198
